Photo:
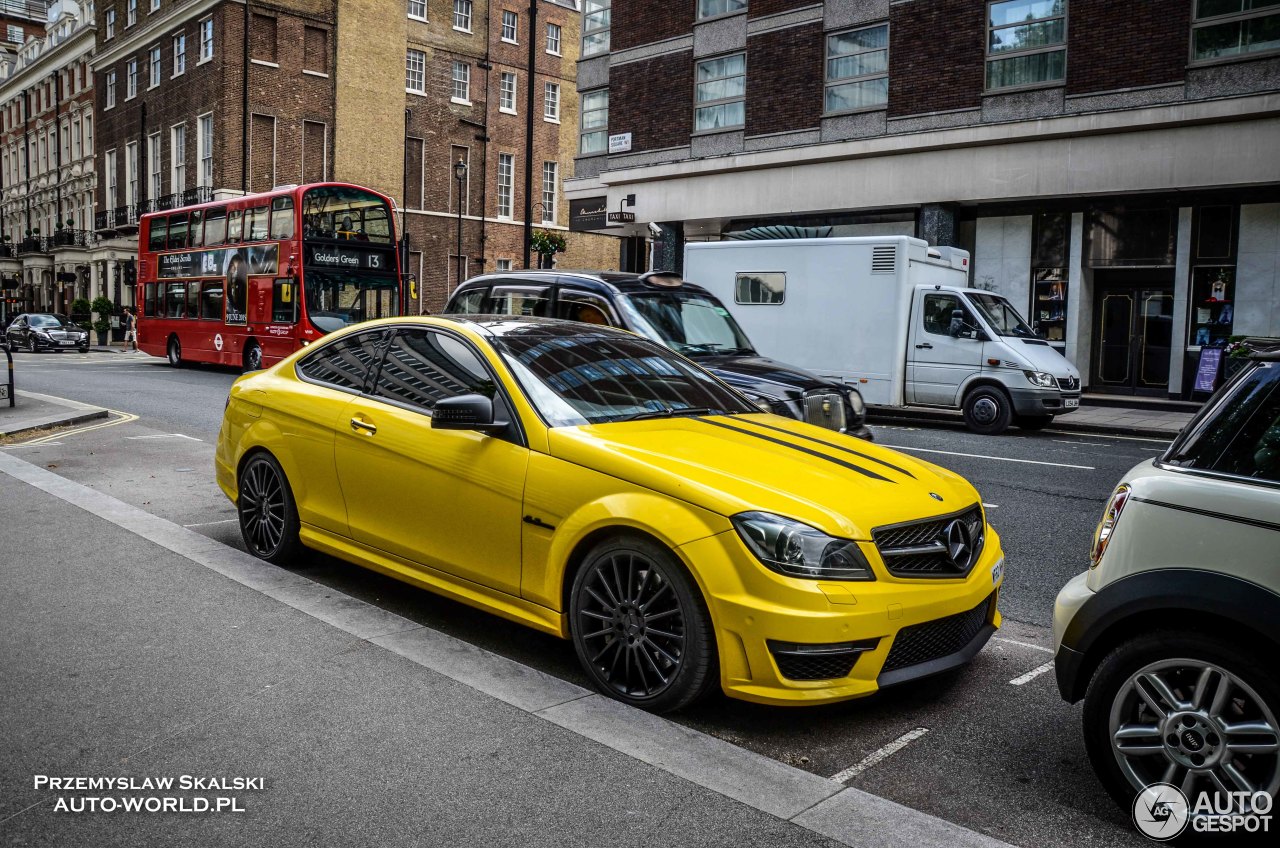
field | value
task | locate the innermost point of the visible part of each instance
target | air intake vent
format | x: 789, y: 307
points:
x: 884, y: 259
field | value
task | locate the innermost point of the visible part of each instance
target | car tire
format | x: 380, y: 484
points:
x: 31, y: 345
x: 1033, y: 422
x: 252, y: 358
x: 175, y: 352
x: 267, y: 511
x: 654, y: 648
x: 1178, y: 658
x: 987, y: 411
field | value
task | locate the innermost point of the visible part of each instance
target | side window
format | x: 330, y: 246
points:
x: 149, y: 300
x: 174, y: 298
x: 234, y: 226
x: 196, y: 228
x: 284, y: 301
x: 525, y: 300
x: 344, y: 364
x: 470, y: 302
x: 584, y: 307
x: 1244, y: 437
x: 282, y: 218
x: 940, y: 311
x: 159, y: 234
x: 256, y: 224
x: 211, y: 301
x: 422, y: 367
x: 193, y: 300
x: 760, y: 287
x: 215, y: 227
x: 177, y: 231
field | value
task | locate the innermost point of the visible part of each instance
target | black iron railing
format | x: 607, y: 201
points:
x: 33, y: 244
x: 72, y: 238
x: 104, y: 221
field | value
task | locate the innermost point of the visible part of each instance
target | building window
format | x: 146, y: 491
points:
x: 14, y: 34
x: 1050, y: 241
x: 111, y: 89
x: 206, y: 39
x: 714, y: 8
x: 178, y: 158
x: 510, y: 27
x: 503, y: 265
x: 131, y: 13
x: 204, y: 141
x: 75, y: 137
x: 155, y: 5
x: 550, y: 183
x: 595, y: 123
x: 720, y: 93
x: 131, y: 173
x: 1226, y: 28
x: 507, y: 93
x: 1026, y: 42
x: 154, y: 185
x: 131, y: 79
x: 110, y: 160
x: 462, y: 15
x: 418, y: 9
x: 461, y: 83
x: 857, y: 69
x: 179, y: 54
x: 506, y: 179
x: 153, y: 66
x: 415, y: 71
x: 551, y: 102
x: 111, y: 23
x: 315, y: 50
x: 595, y: 27
x: 553, y: 39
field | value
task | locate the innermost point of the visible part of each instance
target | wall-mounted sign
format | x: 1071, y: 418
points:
x: 588, y: 214
x: 622, y: 217
x: 620, y: 143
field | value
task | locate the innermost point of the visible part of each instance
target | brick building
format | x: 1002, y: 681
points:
x: 46, y: 156
x: 1111, y: 166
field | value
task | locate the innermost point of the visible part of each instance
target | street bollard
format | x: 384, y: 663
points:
x: 7, y: 388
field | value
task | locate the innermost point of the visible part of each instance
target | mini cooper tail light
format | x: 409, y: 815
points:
x: 1106, y: 527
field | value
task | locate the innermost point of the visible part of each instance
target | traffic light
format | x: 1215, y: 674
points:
x: 131, y: 272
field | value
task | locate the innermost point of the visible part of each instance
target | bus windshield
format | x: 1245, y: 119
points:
x: 342, y: 213
x: 335, y: 299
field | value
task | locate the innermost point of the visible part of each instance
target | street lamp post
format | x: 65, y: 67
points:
x: 460, y: 173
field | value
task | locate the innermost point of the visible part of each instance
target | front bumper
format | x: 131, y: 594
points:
x: 756, y: 612
x: 1067, y: 661
x: 1033, y: 401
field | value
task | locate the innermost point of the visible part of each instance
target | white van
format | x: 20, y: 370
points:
x: 895, y: 318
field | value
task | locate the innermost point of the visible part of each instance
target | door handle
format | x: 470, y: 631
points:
x: 361, y: 424
x: 924, y: 346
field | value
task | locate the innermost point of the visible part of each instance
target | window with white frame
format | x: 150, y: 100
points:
x: 178, y: 158
x: 506, y: 181
x: 507, y: 93
x: 550, y: 186
x: 153, y: 63
x: 110, y: 94
x: 1222, y: 29
x: 14, y: 34
x: 1026, y: 42
x: 179, y: 54
x: 510, y: 27
x: 75, y: 137
x: 595, y: 27
x: 131, y: 173
x: 553, y: 39
x: 715, y: 8
x: 857, y: 69
x: 109, y: 162
x: 503, y: 265
x: 154, y: 156
x: 720, y: 90
x: 131, y: 13
x: 551, y: 101
x: 206, y: 39
x: 415, y: 71
x: 593, y: 138
x: 204, y: 144
x: 461, y: 83
x: 462, y: 15
x: 130, y: 79
x: 418, y: 9
x: 111, y: 23
x: 155, y: 5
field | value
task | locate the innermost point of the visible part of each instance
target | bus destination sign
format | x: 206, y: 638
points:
x: 348, y: 259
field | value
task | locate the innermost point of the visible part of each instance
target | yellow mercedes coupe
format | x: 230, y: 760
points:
x: 597, y: 486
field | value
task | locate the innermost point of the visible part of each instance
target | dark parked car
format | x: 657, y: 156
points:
x: 45, y: 331
x: 685, y: 317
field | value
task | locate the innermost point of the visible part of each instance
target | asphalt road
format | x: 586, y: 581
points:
x: 991, y: 747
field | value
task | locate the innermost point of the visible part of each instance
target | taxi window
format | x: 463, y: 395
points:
x: 585, y: 308
x: 469, y: 302
x: 525, y: 300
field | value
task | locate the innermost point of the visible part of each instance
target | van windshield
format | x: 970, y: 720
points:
x: 690, y: 323
x: 1001, y: 315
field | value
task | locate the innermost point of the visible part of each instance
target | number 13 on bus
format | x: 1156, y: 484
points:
x: 245, y: 282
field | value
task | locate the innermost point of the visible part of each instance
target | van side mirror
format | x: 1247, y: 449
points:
x: 465, y: 412
x: 962, y: 329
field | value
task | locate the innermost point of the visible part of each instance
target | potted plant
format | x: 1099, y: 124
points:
x: 547, y: 244
x: 80, y: 309
x: 104, y: 307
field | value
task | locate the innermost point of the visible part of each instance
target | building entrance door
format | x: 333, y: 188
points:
x: 1133, y: 331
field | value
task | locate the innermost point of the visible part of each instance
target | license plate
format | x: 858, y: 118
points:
x: 66, y: 344
x: 1071, y: 403
x: 997, y: 571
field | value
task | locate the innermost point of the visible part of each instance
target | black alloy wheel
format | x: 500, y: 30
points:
x: 175, y: 352
x: 268, y: 516
x: 640, y: 626
x: 253, y: 357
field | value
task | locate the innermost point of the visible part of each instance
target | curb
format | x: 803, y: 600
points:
x: 76, y: 413
x: 878, y: 414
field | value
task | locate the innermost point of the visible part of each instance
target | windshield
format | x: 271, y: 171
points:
x: 1002, y: 317
x: 49, y: 321
x: 575, y: 380
x: 335, y: 300
x: 339, y: 213
x: 687, y: 322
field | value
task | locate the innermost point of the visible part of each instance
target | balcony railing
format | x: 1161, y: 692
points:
x: 73, y: 238
x: 104, y: 221
x: 8, y: 250
x: 33, y: 244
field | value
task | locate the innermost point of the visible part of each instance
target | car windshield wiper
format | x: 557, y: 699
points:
x: 671, y: 412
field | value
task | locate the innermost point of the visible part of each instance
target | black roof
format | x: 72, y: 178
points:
x: 621, y: 282
x: 532, y: 325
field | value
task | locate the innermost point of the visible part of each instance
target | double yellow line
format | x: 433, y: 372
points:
x: 121, y: 418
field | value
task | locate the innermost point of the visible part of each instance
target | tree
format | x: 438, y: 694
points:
x: 547, y: 244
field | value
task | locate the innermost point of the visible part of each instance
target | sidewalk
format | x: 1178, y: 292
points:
x: 1109, y: 420
x: 137, y: 648
x: 38, y: 412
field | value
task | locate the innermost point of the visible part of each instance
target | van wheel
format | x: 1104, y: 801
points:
x: 253, y: 357
x: 987, y: 411
x: 175, y: 352
x: 1033, y: 422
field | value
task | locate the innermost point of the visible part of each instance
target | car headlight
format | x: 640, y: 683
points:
x: 856, y: 403
x: 1041, y: 379
x: 797, y: 550
x: 1107, y: 526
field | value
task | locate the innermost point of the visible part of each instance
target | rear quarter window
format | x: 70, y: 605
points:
x: 345, y: 364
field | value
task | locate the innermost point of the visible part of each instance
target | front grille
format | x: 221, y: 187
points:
x: 1068, y: 384
x: 818, y: 662
x: 921, y: 548
x: 935, y: 639
x: 825, y: 409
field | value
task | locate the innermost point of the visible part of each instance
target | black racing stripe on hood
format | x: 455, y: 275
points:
x: 832, y: 459
x: 829, y: 445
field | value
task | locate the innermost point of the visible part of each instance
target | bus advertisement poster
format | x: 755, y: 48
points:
x: 234, y: 264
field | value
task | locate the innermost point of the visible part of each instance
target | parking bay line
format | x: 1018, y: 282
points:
x: 844, y: 814
x: 879, y: 755
x: 166, y: 436
x: 1031, y: 675
x: 985, y: 456
x: 1023, y: 644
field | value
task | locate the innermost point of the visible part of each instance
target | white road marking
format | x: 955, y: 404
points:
x: 1023, y: 644
x: 1031, y: 675
x: 1000, y: 458
x: 1086, y: 444
x: 1110, y: 436
x: 211, y: 523
x: 166, y: 436
x: 877, y: 756
x: 991, y: 506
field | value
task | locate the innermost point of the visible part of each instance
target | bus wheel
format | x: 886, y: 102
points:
x: 175, y: 352
x: 253, y: 357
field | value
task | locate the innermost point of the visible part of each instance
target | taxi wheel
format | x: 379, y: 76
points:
x: 640, y: 626
x: 268, y: 515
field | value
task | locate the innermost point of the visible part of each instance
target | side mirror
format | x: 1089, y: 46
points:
x: 465, y: 412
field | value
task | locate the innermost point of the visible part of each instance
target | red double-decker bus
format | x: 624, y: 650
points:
x: 245, y: 282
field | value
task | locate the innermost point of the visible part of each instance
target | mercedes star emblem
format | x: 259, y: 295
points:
x: 959, y: 544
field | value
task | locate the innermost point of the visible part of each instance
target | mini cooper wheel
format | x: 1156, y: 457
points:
x: 640, y: 626
x: 268, y: 515
x: 1187, y: 709
x: 175, y: 352
x: 987, y: 411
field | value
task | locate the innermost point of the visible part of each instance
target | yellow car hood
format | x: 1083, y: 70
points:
x: 732, y: 464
